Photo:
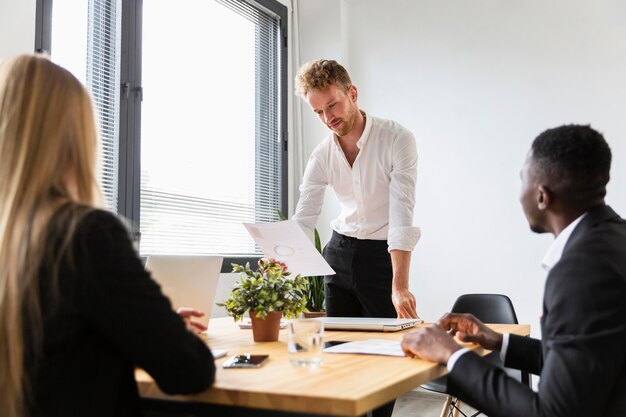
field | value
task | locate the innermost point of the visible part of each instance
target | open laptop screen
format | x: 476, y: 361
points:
x: 188, y: 281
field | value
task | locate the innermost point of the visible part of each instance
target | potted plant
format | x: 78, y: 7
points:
x: 315, y: 288
x: 267, y: 294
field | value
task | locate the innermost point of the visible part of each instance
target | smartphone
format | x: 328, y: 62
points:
x: 245, y: 361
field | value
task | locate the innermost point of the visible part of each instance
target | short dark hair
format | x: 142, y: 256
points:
x: 575, y: 161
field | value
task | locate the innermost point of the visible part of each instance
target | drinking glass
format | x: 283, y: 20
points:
x: 305, y: 342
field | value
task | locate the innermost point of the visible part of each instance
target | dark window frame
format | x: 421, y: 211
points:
x: 130, y: 103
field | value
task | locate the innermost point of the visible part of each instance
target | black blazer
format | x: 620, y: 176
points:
x: 581, y: 357
x: 104, y: 317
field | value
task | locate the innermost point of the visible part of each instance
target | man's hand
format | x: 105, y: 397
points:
x: 193, y: 326
x: 404, y: 302
x: 430, y: 343
x: 469, y: 329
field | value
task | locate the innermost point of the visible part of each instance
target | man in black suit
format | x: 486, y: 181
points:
x: 581, y: 357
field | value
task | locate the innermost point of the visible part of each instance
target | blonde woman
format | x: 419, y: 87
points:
x: 77, y: 310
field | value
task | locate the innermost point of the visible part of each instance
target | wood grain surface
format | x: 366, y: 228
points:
x: 345, y: 385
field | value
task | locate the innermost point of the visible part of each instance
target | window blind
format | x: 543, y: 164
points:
x: 103, y: 80
x: 85, y: 41
x: 211, y: 144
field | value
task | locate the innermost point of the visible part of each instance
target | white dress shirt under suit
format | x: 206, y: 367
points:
x: 376, y: 194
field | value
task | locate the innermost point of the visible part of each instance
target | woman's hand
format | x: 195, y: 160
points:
x: 187, y: 315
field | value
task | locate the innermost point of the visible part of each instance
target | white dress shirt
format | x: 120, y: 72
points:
x: 555, y: 251
x: 376, y: 195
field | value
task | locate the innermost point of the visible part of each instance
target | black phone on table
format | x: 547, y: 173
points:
x: 245, y: 361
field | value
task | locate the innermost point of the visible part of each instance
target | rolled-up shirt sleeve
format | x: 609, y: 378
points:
x: 312, y: 193
x: 402, y: 234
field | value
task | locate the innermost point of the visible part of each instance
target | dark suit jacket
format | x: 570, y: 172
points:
x: 102, y: 316
x: 582, y: 355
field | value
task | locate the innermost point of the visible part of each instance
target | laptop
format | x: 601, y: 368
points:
x: 371, y: 324
x: 188, y: 281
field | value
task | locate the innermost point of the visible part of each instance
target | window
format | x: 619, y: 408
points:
x: 217, y: 100
x: 191, y: 100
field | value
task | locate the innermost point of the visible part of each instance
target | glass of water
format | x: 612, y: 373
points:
x: 306, y: 342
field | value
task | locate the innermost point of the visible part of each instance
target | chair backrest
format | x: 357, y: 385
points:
x: 488, y: 308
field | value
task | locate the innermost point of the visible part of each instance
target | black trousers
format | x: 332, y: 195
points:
x: 361, y: 286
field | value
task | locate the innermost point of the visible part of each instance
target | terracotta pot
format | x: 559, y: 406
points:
x: 313, y: 314
x: 266, y: 330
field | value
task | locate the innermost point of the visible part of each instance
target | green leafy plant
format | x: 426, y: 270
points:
x: 315, y: 289
x: 268, y: 289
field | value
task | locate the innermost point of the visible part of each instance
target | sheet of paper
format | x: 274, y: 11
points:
x: 286, y: 242
x: 369, y: 347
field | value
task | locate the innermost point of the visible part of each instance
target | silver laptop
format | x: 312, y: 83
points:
x: 371, y: 324
x: 188, y: 281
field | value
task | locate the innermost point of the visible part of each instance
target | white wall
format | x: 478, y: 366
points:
x: 17, y: 27
x: 476, y: 82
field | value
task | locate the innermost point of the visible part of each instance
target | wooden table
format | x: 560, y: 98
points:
x: 345, y: 385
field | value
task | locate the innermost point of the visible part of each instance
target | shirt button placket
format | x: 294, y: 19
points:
x: 356, y: 183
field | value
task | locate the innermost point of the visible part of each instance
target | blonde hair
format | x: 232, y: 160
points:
x: 48, y: 145
x: 319, y: 75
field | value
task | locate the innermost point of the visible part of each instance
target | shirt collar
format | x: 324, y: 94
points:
x: 366, y: 131
x: 556, y: 249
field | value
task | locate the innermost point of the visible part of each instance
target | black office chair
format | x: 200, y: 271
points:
x: 488, y: 308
